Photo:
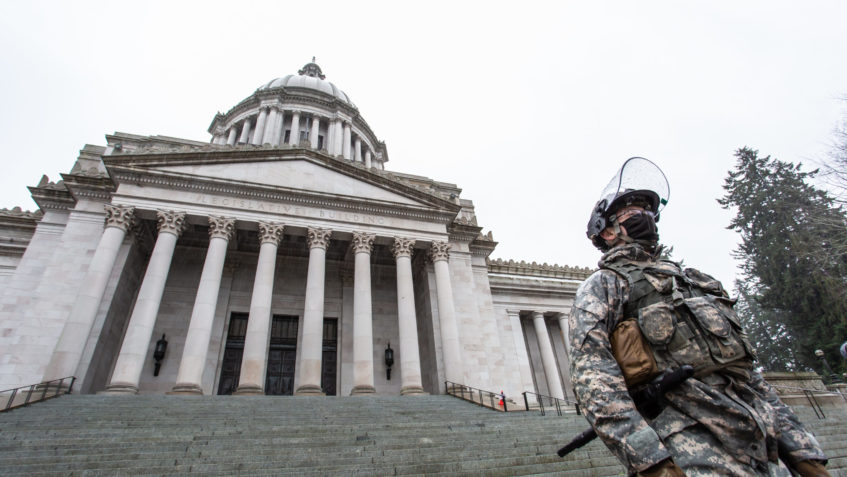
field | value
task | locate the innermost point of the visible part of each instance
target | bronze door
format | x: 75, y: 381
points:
x: 282, y: 354
x: 231, y: 366
x: 329, y: 366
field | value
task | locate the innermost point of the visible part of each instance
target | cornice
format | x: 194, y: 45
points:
x: 483, y: 245
x: 52, y: 196
x: 99, y: 186
x: 531, y: 287
x: 19, y: 217
x: 460, y: 232
x: 511, y: 267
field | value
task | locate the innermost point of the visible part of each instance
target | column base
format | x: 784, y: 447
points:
x: 120, y: 389
x: 309, y: 390
x: 413, y: 391
x: 362, y: 389
x: 249, y: 390
x: 185, y: 389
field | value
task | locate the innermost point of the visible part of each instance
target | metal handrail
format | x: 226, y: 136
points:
x: 19, y: 398
x: 470, y: 394
x: 810, y: 396
x: 558, y: 403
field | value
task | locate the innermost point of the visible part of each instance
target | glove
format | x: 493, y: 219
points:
x: 667, y: 468
x: 810, y: 468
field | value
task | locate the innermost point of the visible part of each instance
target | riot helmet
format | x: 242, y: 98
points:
x: 638, y: 182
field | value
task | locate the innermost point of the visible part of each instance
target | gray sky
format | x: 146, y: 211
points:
x: 530, y: 107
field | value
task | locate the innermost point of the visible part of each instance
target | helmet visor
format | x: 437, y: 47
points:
x: 638, y: 173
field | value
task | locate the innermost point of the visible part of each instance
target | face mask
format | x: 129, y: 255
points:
x: 641, y: 227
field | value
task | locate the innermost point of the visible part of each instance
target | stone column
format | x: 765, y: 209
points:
x: 564, y: 327
x: 315, y: 132
x: 294, y: 138
x: 410, y: 360
x: 357, y: 149
x: 309, y: 366
x: 232, y: 136
x: 520, y: 348
x: 75, y: 333
x: 337, y: 138
x: 363, y: 343
x: 245, y: 132
x: 258, y: 134
x: 255, y: 357
x: 130, y: 362
x: 450, y: 347
x: 270, y: 127
x: 190, y: 376
x: 345, y: 147
x: 551, y: 371
x: 368, y: 159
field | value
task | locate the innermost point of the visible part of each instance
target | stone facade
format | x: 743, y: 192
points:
x: 279, y: 258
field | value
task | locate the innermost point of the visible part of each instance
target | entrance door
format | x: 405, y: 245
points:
x: 231, y: 366
x: 282, y: 353
x: 328, y: 361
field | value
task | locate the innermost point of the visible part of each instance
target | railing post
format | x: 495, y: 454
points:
x: 525, y: 401
x: 558, y: 408
x: 11, y: 399
x: 505, y: 406
x: 71, y: 387
x: 541, y: 405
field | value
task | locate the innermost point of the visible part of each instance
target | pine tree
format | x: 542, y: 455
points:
x: 792, y: 264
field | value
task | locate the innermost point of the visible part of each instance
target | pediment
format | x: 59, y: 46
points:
x: 296, y: 174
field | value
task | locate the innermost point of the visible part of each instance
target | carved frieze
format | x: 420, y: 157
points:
x: 270, y: 232
x: 402, y: 247
x: 362, y: 242
x: 318, y: 237
x: 439, y: 251
x: 221, y: 227
x: 171, y: 222
x: 119, y: 216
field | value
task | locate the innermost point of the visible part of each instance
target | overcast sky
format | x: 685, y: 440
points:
x: 530, y: 107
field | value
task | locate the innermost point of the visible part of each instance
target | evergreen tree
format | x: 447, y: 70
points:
x: 794, y: 271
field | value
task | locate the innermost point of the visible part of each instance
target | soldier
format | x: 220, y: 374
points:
x: 638, y: 316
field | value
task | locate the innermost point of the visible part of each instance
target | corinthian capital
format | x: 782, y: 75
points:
x: 270, y: 232
x: 318, y: 238
x: 402, y: 247
x: 362, y: 242
x: 119, y: 216
x: 171, y: 222
x: 221, y: 227
x: 439, y: 251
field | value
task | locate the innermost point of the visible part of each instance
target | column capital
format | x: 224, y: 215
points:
x: 537, y: 314
x: 296, y: 111
x: 270, y: 232
x: 119, y: 216
x: 402, y: 247
x: 439, y: 251
x: 362, y: 242
x: 171, y: 222
x: 221, y: 227
x: 511, y: 312
x: 318, y: 238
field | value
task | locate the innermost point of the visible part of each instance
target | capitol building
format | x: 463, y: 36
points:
x: 283, y: 256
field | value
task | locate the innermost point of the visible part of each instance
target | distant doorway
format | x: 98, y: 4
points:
x: 282, y: 355
x: 329, y: 367
x: 233, y: 352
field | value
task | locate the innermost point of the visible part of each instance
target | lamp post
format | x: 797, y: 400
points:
x: 832, y: 378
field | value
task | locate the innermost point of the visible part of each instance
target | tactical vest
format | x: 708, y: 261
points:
x: 684, y: 317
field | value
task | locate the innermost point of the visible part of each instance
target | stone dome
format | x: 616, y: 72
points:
x: 310, y: 77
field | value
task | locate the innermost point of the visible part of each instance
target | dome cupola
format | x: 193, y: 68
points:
x: 302, y: 110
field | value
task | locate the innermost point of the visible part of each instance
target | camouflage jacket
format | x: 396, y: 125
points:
x: 746, y: 416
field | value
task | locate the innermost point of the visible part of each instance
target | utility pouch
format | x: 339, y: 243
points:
x: 633, y: 354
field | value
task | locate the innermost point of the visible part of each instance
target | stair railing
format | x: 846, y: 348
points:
x: 489, y: 399
x: 812, y: 398
x: 25, y: 395
x: 553, y: 402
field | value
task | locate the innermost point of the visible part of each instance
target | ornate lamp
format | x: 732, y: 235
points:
x: 159, y: 354
x: 389, y: 361
x: 833, y: 378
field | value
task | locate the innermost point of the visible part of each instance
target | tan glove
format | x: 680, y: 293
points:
x: 811, y: 468
x: 665, y: 468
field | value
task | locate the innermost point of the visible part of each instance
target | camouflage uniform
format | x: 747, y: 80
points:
x: 718, y: 423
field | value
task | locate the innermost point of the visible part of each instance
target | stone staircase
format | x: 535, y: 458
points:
x: 223, y: 435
